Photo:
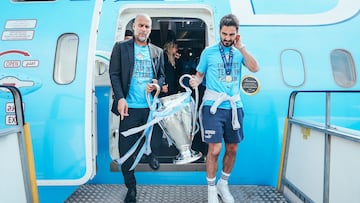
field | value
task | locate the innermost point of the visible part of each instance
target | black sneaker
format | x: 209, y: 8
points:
x: 153, y: 162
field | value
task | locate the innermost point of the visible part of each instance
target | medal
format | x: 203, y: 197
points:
x: 227, y: 62
x: 228, y: 78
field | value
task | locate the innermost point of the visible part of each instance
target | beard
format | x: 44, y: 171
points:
x: 142, y: 37
x: 227, y: 43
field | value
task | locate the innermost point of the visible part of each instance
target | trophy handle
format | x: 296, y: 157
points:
x: 153, y: 105
x: 194, y: 130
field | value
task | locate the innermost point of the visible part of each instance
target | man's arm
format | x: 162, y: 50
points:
x: 249, y: 61
x: 115, y: 72
x: 115, y: 78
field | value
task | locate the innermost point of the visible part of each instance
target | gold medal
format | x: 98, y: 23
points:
x: 228, y: 78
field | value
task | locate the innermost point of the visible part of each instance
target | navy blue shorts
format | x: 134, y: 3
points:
x: 218, y: 126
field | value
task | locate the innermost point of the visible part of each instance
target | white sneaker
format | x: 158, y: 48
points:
x: 212, y: 194
x: 224, y: 192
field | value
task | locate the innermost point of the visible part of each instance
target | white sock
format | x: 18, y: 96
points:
x: 224, y: 177
x: 211, y: 181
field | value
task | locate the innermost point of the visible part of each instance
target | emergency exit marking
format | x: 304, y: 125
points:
x: 10, y: 119
x: 10, y: 107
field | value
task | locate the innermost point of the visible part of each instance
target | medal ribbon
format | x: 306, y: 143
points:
x: 227, y: 63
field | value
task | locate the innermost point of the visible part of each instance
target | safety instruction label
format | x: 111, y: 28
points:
x: 17, y: 35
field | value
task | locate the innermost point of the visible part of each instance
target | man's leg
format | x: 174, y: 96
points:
x: 228, y: 163
x: 229, y: 157
x: 129, y: 175
x: 212, y: 159
x: 211, y: 168
x: 155, y: 144
x: 138, y: 117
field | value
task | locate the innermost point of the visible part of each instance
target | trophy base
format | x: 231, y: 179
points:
x: 188, y: 157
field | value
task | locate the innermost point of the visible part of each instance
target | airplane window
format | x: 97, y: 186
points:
x: 292, y: 67
x: 343, y: 68
x: 293, y: 6
x: 65, y: 59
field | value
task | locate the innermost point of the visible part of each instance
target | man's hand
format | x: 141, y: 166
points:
x: 165, y: 88
x: 150, y: 87
x: 122, y: 108
x: 238, y: 44
x: 196, y: 80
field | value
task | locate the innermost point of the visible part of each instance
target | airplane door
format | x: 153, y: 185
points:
x: 108, y: 123
x: 50, y: 57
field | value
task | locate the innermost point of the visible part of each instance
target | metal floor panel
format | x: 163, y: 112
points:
x: 113, y: 193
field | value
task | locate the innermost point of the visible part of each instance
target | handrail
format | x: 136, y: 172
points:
x: 295, y: 93
x: 25, y: 147
x: 327, y: 129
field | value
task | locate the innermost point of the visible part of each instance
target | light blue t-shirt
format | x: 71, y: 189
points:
x: 142, y: 75
x: 212, y: 65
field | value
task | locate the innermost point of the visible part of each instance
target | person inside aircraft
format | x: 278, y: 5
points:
x: 187, y: 62
x: 171, y: 86
x: 128, y: 35
x: 221, y: 65
x: 172, y: 72
x: 146, y: 65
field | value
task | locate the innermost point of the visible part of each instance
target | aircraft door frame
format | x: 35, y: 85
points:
x: 128, y: 13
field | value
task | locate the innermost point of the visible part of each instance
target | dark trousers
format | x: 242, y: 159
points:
x: 156, y: 140
x: 137, y: 117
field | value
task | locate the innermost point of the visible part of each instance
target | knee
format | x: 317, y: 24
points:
x: 214, y: 152
x: 231, y: 151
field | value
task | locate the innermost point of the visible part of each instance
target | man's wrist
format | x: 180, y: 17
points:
x: 199, y: 79
x: 242, y: 46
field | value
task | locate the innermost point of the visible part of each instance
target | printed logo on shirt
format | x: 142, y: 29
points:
x: 235, y: 72
x: 140, y: 56
x: 143, y: 69
x: 143, y: 72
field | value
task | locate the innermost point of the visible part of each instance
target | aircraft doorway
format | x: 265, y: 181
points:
x: 191, y: 36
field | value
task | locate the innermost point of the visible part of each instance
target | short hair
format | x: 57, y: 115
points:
x: 145, y: 16
x: 229, y: 20
x: 128, y: 33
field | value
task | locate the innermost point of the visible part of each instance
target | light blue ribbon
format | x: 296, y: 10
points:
x: 155, y: 115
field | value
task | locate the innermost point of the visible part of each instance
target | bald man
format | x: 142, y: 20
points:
x: 133, y: 65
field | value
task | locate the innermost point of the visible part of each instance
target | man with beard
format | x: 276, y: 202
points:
x: 134, y: 63
x: 221, y: 65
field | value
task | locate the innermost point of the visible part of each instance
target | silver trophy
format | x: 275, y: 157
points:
x: 180, y: 124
